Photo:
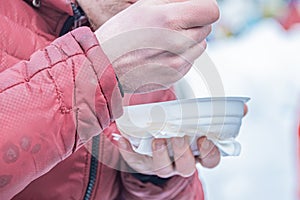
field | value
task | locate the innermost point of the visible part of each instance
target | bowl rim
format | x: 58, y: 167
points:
x: 185, y: 101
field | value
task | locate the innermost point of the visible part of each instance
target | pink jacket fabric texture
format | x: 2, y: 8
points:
x: 42, y: 107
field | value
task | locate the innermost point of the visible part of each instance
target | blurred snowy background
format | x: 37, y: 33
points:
x: 256, y: 49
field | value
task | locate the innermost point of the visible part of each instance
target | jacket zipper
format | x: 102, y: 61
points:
x: 36, y: 3
x: 93, y: 168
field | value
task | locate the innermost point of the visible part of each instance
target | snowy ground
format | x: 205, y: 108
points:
x: 264, y: 64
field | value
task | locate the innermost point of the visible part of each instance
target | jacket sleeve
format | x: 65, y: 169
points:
x: 51, y: 105
x: 176, y: 188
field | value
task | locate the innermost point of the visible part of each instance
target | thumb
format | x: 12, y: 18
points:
x: 124, y: 145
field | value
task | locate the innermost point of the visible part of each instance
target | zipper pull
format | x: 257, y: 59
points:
x: 36, y: 3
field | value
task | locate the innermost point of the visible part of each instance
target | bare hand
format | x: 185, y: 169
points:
x: 152, y: 44
x: 160, y: 164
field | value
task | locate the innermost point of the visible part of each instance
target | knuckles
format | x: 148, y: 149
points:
x: 215, y: 11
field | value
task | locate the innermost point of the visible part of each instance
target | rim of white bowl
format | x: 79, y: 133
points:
x: 205, y: 99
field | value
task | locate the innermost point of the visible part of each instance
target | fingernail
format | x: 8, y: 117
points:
x: 205, y: 144
x: 159, y: 145
x: 179, y: 141
x: 122, y: 143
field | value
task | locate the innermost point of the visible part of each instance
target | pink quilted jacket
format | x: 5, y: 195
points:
x: 41, y: 154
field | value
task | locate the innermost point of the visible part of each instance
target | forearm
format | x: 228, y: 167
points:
x: 46, y: 112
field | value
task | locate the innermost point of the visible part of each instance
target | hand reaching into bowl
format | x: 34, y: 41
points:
x: 152, y: 44
x: 162, y: 165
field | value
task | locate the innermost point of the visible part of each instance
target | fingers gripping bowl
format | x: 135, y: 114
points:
x: 217, y: 118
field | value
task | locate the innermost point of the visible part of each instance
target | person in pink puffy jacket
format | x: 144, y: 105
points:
x: 64, y: 68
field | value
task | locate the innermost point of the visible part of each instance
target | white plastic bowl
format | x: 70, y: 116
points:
x: 218, y: 118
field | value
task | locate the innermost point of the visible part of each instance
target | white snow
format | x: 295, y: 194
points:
x: 263, y: 64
